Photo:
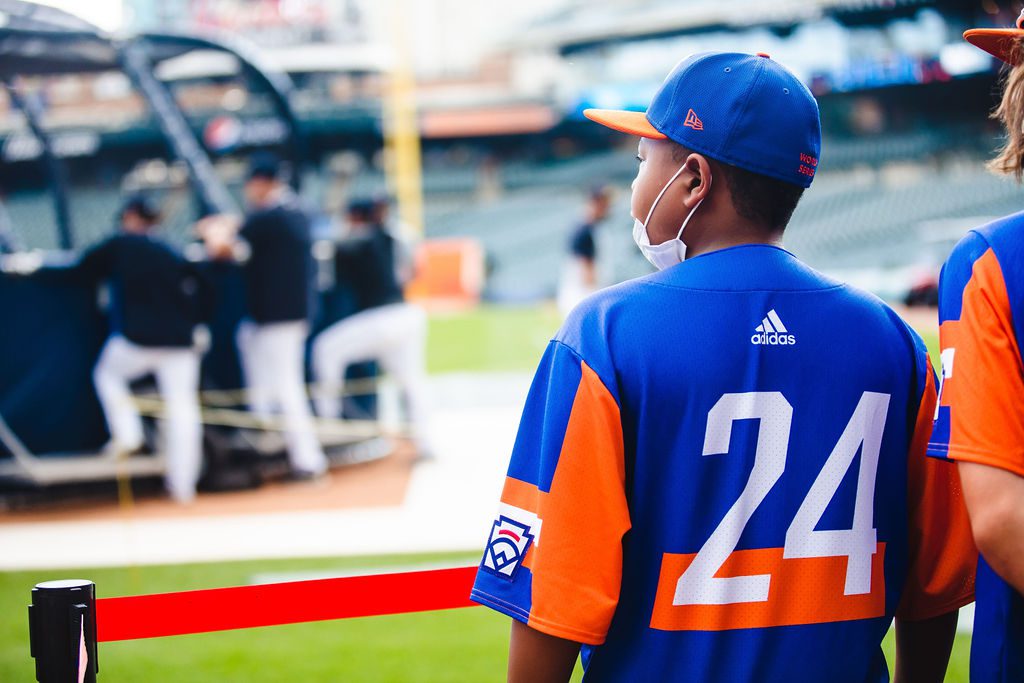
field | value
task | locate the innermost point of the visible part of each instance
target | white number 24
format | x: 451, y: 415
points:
x: 698, y: 584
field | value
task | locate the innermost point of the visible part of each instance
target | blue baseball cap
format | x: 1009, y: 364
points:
x: 264, y: 165
x: 743, y: 110
x: 362, y: 208
x: 143, y: 205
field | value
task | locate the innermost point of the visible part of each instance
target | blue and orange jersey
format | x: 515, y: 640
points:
x: 980, y: 418
x: 720, y: 475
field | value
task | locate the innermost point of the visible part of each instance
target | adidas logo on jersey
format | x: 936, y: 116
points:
x: 771, y: 332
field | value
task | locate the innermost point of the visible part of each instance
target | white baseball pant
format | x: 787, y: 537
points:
x: 273, y: 360
x: 394, y: 336
x: 571, y: 287
x: 177, y: 378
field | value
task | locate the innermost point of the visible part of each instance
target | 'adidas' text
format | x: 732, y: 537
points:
x: 771, y: 332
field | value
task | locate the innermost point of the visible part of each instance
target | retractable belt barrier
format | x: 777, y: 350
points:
x: 66, y: 621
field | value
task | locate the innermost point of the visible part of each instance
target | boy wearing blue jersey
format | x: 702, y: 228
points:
x: 714, y: 479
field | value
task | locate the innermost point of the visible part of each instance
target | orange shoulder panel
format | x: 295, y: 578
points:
x: 985, y: 390
x: 577, y: 559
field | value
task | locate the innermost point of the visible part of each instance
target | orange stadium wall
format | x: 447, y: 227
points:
x: 449, y: 273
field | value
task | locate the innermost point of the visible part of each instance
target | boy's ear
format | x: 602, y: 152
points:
x: 695, y: 168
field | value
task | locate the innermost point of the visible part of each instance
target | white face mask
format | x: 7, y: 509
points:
x: 670, y: 252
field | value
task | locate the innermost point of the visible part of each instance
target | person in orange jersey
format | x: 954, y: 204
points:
x: 980, y: 418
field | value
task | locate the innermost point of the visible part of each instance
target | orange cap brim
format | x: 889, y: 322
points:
x: 1001, y: 43
x: 632, y: 122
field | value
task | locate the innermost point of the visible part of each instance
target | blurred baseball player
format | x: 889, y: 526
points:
x: 384, y: 328
x: 720, y: 474
x: 579, y: 273
x: 157, y: 301
x: 274, y: 246
x: 404, y: 247
x: 980, y: 420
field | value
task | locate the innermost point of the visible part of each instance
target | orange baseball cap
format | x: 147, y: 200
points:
x: 1001, y: 43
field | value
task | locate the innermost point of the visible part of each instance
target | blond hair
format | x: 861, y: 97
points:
x: 1010, y: 113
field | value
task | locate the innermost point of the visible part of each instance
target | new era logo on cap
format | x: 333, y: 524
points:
x: 772, y: 332
x: 693, y: 121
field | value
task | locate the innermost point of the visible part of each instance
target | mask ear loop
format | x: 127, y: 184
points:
x: 693, y: 211
x: 662, y: 194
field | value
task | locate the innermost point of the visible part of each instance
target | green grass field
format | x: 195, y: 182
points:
x: 458, y: 646
x: 490, y: 338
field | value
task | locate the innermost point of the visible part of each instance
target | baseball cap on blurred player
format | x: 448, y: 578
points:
x: 743, y: 110
x: 264, y: 165
x: 362, y: 208
x: 1002, y: 43
x: 143, y: 206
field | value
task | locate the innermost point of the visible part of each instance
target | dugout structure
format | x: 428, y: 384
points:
x: 53, y: 334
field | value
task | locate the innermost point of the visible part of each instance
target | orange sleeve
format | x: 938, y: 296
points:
x: 942, y: 556
x: 577, y: 560
x: 984, y: 383
x: 554, y: 556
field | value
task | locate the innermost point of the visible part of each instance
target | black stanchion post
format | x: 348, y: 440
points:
x: 62, y: 631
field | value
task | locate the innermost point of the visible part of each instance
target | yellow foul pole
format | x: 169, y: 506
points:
x: 401, y: 126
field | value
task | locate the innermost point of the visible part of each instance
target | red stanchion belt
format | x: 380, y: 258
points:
x: 222, y: 609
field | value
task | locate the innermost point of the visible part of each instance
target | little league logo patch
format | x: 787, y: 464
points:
x: 507, y: 547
